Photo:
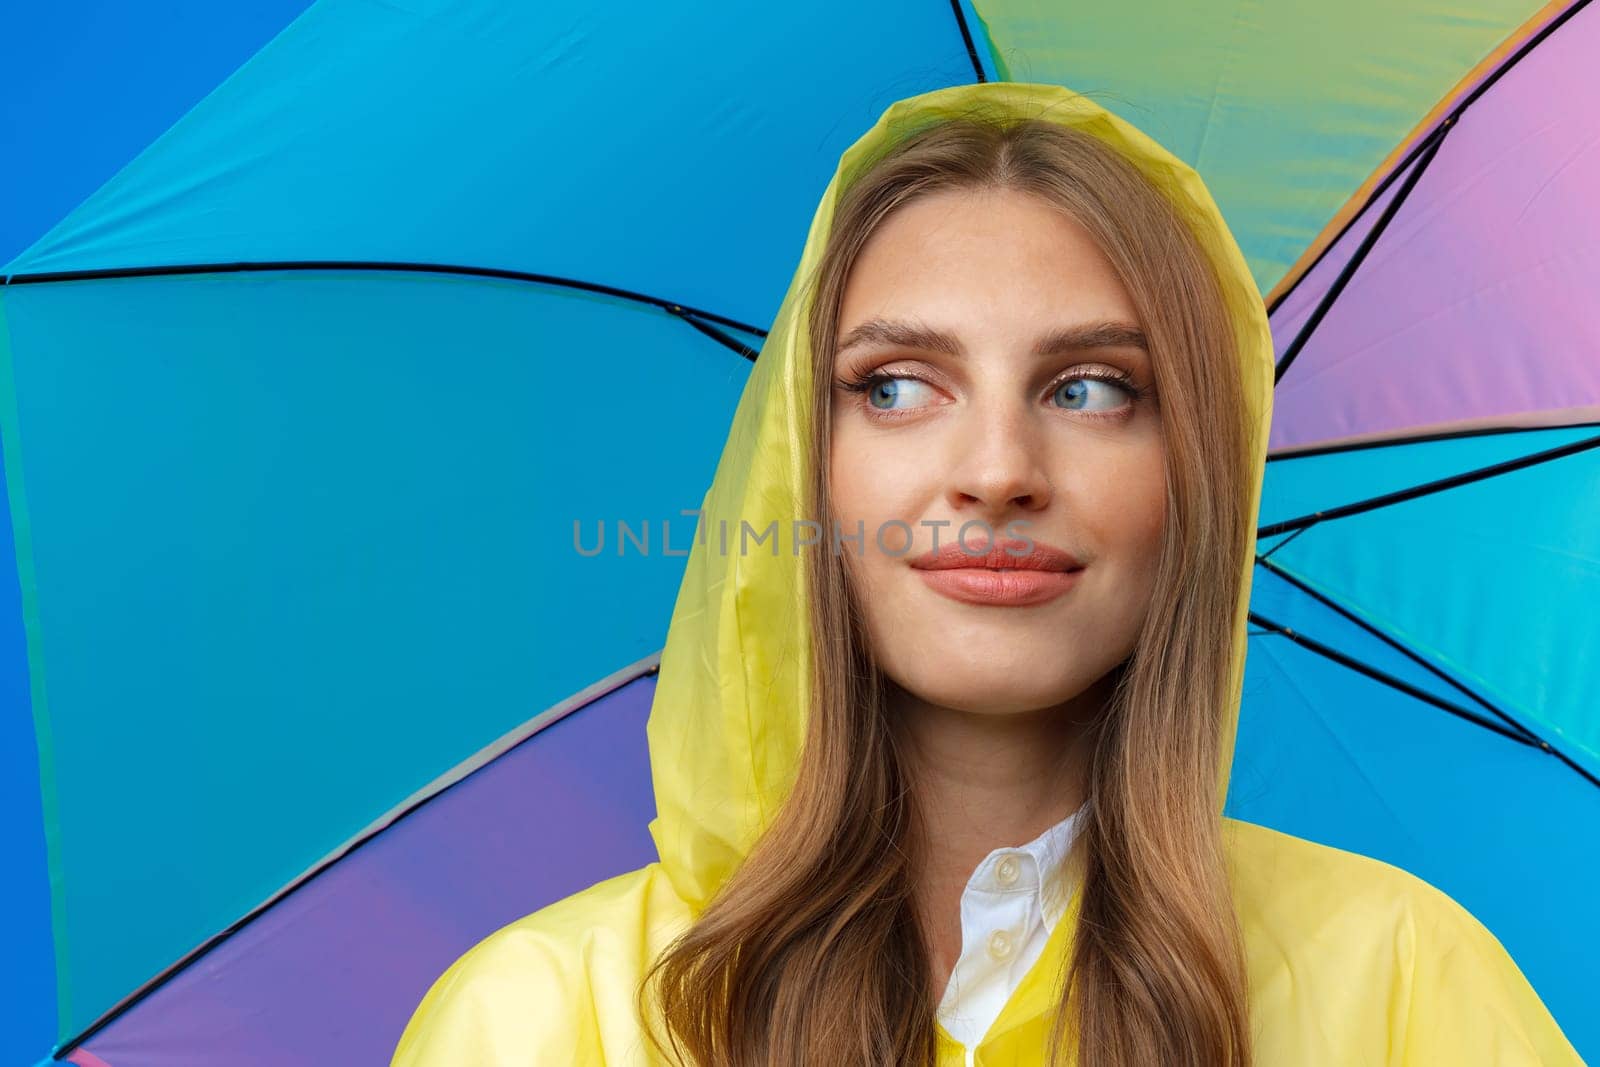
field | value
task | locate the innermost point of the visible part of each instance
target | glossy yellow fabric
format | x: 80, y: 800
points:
x: 1351, y: 961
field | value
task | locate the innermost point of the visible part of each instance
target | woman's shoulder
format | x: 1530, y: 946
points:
x: 556, y: 985
x: 1280, y: 867
x: 1362, y: 959
x: 1302, y: 890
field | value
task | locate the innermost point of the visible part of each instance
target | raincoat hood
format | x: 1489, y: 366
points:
x: 729, y: 713
x: 1350, y: 960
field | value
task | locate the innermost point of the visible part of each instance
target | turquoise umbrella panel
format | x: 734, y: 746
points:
x: 1493, y: 579
x: 1298, y: 485
x: 294, y: 543
x: 28, y: 988
x: 569, y: 140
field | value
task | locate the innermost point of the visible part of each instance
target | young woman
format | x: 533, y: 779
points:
x: 939, y: 768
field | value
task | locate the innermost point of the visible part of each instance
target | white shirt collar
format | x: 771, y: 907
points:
x: 1039, y: 867
x: 1009, y: 908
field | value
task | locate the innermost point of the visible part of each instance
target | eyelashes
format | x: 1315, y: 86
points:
x: 866, y: 387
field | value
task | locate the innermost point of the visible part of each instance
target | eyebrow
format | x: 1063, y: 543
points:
x: 1064, y: 339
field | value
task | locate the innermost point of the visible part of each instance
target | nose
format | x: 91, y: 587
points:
x: 999, y: 465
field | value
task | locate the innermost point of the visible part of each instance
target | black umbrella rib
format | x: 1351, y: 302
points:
x: 1455, y: 113
x: 1520, y: 736
x: 966, y: 36
x: 717, y: 335
x: 1437, y: 486
x: 1422, y: 662
x: 691, y: 315
x: 1400, y: 647
x: 1329, y: 652
x: 1329, y: 298
x: 1286, y: 541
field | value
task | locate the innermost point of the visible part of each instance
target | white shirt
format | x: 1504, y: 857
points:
x: 1008, y: 910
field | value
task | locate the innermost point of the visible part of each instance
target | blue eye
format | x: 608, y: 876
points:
x: 898, y: 393
x: 883, y: 390
x: 1076, y: 389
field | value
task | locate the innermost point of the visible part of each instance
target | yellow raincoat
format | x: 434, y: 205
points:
x: 1351, y: 961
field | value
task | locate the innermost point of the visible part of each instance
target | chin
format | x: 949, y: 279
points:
x: 989, y: 691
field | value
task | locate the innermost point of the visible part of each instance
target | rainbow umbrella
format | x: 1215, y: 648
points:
x: 324, y: 324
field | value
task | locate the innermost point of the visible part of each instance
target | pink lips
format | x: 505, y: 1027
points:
x: 1002, y: 575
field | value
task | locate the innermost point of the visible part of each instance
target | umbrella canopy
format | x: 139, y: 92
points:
x: 1430, y: 529
x: 308, y: 687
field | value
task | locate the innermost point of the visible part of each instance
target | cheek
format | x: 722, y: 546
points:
x: 1124, y: 505
x: 845, y: 477
x: 876, y: 484
x: 873, y: 478
x: 852, y: 475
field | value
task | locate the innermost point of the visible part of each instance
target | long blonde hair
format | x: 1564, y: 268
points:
x: 811, y: 953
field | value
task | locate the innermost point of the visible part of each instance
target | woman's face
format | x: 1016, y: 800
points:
x: 991, y: 425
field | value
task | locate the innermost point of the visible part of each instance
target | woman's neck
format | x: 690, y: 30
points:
x: 984, y: 781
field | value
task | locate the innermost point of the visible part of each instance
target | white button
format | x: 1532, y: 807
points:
x: 1000, y: 944
x: 1007, y: 870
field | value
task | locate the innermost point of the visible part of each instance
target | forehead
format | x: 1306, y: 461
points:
x: 982, y: 256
